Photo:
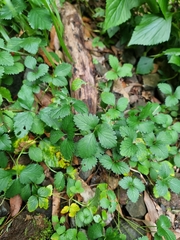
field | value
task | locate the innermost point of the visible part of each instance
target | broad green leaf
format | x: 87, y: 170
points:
x: 15, y: 69
x: 59, y: 181
x: 133, y: 194
x: 163, y: 225
x: 177, y: 93
x: 164, y: 7
x: 32, y: 203
x: 43, y: 202
x: 122, y: 104
x: 61, y: 112
x: 159, y: 150
x: 87, y: 146
x: 120, y: 168
x: 6, y: 59
x: 30, y: 62
x: 4, y: 160
x: 1, y: 71
x: 67, y: 148
x: 128, y: 148
x: 106, y: 136
x: 37, y: 126
x: 177, y: 160
x: 62, y: 70
x: 111, y: 114
x: 114, y: 62
x: 5, y: 142
x: 59, y: 81
x: 146, y: 126
x: 165, y: 88
x: 111, y: 75
x: 45, y: 116
x: 88, y: 163
x: 31, y: 44
x: 80, y: 106
x: 22, y: 123
x: 175, y: 60
x: 138, y: 184
x: 39, y: 72
x: 126, y: 182
x: 76, y: 84
x: 35, y: 154
x: 108, y: 98
x: 164, y: 119
x: 106, y: 161
x: 95, y: 231
x: 171, y: 100
x: 86, y: 122
x: 5, y: 179
x: 45, y: 192
x: 5, y: 93
x: 39, y: 18
x: 55, y: 135
x: 163, y: 222
x: 31, y: 173
x: 174, y: 185
x: 151, y: 30
x: 172, y: 51
x: 14, y: 189
x: 125, y: 70
x: 26, y: 97
x: 126, y: 131
x: 161, y: 187
x: 145, y: 65
x: 14, y: 43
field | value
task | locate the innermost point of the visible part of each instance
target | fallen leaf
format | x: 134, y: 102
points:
x: 88, y: 192
x: 15, y: 205
x: 44, y: 99
x: 54, y: 41
x: 153, y: 214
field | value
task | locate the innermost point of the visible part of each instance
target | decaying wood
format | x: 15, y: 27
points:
x: 82, y: 67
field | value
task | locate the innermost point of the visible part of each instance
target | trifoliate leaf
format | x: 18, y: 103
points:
x: 31, y: 173
x: 35, y: 17
x: 31, y: 44
x: 171, y: 100
x: 26, y: 97
x: 126, y: 131
x: 32, y: 203
x: 163, y: 119
x: 128, y: 148
x: 145, y: 65
x: 126, y: 182
x: 30, y: 62
x: 122, y: 104
x: 146, y: 34
x: 86, y: 122
x: 15, y: 69
x: 76, y: 84
x: 39, y: 72
x: 59, y: 181
x: 138, y: 184
x: 22, y: 123
x: 62, y: 70
x: 125, y: 70
x: 108, y: 98
x: 133, y: 194
x: 87, y: 146
x: 165, y: 88
x: 5, y: 142
x: 106, y: 136
x: 6, y: 59
x: 88, y: 163
x: 35, y: 154
x: 174, y: 185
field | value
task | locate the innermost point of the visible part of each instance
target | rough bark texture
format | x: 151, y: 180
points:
x: 83, y: 67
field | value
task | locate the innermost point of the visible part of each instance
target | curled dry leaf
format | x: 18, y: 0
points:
x: 88, y: 192
x: 15, y: 204
x: 44, y: 99
x: 153, y: 214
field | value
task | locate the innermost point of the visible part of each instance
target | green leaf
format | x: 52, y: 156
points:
x: 45, y: 116
x: 62, y: 70
x: 45, y: 192
x: 106, y: 136
x: 106, y: 161
x: 31, y: 44
x: 39, y: 72
x: 6, y: 59
x: 163, y: 225
x: 159, y: 150
x: 86, y: 122
x: 145, y: 65
x: 161, y: 187
x: 55, y: 135
x: 5, y: 179
x: 76, y: 84
x: 67, y: 148
x: 22, y: 123
x: 80, y: 106
x: 151, y: 30
x: 5, y: 93
x: 171, y: 101
x: 14, y: 189
x: 165, y: 88
x: 125, y: 70
x: 15, y: 69
x: 26, y: 97
x: 59, y: 181
x: 177, y: 160
x: 146, y: 127
x: 114, y: 62
x: 164, y: 7
x: 126, y: 131
x: 35, y: 154
x: 177, y: 93
x: 120, y: 168
x: 43, y: 202
x: 122, y: 104
x: 4, y: 160
x: 95, y: 231
x: 61, y: 112
x: 108, y: 98
x: 111, y: 75
x: 128, y: 148
x: 88, y: 163
x: 138, y: 184
x: 5, y: 142
x: 174, y: 185
x: 133, y: 194
x: 37, y: 126
x: 1, y: 71
x: 164, y: 119
x: 125, y: 182
x: 32, y: 203
x: 87, y: 146
x: 59, y: 81
x: 30, y: 62
x: 35, y: 17
x: 31, y: 173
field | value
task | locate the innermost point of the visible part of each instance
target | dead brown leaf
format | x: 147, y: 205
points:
x: 44, y: 99
x: 15, y: 205
x: 153, y: 214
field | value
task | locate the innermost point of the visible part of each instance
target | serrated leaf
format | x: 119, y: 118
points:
x: 26, y: 97
x: 122, y: 104
x: 32, y: 203
x: 145, y: 65
x: 61, y: 112
x: 5, y: 93
x: 14, y: 189
x: 138, y: 184
x: 87, y: 146
x: 164, y: 7
x: 67, y: 148
x: 126, y: 131
x: 161, y: 187
x: 106, y: 161
x: 5, y: 142
x: 114, y: 62
x: 39, y: 72
x: 22, y: 123
x: 35, y: 154
x: 151, y: 30
x: 120, y: 168
x: 165, y: 88
x: 106, y: 136
x: 163, y: 119
x: 31, y: 173
x: 76, y: 84
x: 6, y: 59
x: 133, y: 194
x: 45, y: 116
x: 59, y: 81
x: 30, y: 62
x: 45, y: 192
x: 146, y: 127
x: 35, y: 17
x: 62, y: 70
x: 31, y: 44
x: 80, y: 106
x: 95, y: 231
x: 59, y: 181
x: 111, y: 75
x: 4, y: 160
x: 15, y: 69
x: 86, y: 122
x: 128, y: 148
x: 37, y: 126
x: 159, y: 150
x: 108, y: 98
x: 125, y: 70
x: 177, y: 160
x: 1, y: 71
x: 171, y: 100
x: 55, y: 135
x: 177, y: 93
x: 125, y: 182
x: 88, y: 163
x: 174, y: 185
